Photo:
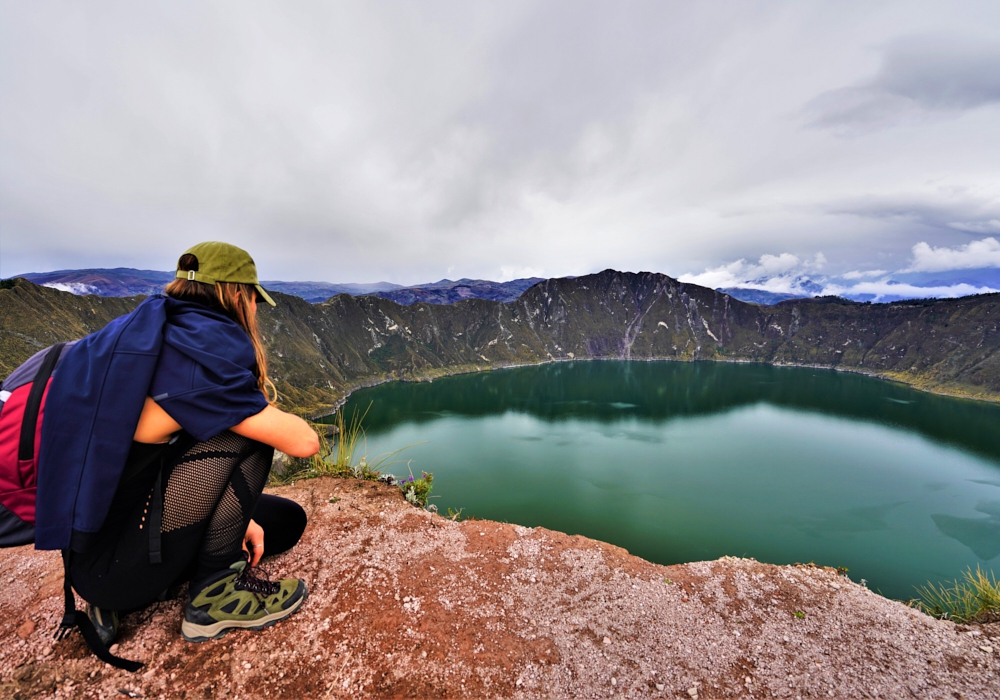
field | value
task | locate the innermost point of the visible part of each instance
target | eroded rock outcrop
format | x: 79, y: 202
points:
x: 404, y: 603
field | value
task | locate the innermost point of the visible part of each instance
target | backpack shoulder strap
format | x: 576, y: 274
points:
x: 26, y: 446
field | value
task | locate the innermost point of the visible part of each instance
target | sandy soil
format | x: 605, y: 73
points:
x: 404, y: 603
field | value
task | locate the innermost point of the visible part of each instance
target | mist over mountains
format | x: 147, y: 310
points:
x: 932, y: 272
x: 877, y: 288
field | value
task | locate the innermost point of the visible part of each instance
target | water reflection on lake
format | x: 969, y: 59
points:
x: 687, y: 461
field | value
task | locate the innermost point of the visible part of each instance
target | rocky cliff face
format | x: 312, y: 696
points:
x: 320, y: 352
x: 946, y: 345
x: 403, y: 603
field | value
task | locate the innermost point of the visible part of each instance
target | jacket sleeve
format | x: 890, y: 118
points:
x: 205, y: 377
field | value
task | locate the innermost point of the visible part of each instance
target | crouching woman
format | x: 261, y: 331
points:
x: 156, y: 450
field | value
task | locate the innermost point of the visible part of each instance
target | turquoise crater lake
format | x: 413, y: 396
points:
x: 681, y: 462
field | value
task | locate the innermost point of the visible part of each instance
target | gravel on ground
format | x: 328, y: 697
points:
x: 405, y: 603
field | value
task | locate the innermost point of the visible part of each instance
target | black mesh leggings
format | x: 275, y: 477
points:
x: 210, y: 491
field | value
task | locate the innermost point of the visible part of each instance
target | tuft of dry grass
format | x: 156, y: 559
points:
x: 337, y: 457
x: 975, y: 598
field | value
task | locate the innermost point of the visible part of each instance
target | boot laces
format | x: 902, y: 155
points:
x: 248, y: 581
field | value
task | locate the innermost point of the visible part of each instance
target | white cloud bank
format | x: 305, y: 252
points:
x: 977, y: 254
x: 783, y: 274
x: 887, y: 289
x: 788, y: 274
x: 862, y: 274
x: 78, y: 288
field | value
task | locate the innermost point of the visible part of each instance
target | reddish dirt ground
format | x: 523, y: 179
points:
x: 404, y: 603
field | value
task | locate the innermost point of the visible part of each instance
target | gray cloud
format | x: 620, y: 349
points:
x: 918, y: 75
x: 412, y: 141
x: 932, y: 209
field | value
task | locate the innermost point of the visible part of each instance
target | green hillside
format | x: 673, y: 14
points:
x: 321, y: 352
x: 33, y: 317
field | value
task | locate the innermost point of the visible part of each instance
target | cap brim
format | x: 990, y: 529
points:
x: 264, y: 295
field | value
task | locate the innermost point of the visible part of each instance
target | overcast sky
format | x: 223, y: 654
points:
x: 355, y: 142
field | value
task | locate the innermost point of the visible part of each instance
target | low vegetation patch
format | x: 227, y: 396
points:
x: 975, y: 598
x: 337, y: 457
x: 417, y: 490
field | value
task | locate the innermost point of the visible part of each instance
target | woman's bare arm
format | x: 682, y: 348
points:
x: 280, y: 430
x: 273, y: 427
x: 155, y: 424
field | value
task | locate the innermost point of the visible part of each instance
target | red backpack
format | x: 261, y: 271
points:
x: 22, y: 406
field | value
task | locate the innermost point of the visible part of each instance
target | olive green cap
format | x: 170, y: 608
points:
x: 223, y: 262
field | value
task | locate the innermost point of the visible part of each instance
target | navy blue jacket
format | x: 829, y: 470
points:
x: 196, y: 363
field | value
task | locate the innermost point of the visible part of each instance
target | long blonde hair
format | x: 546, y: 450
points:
x: 234, y: 299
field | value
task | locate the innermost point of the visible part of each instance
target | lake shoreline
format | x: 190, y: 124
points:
x: 549, y: 427
x: 439, y: 373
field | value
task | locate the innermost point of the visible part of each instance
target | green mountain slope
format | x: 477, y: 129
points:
x: 321, y: 352
x: 34, y: 317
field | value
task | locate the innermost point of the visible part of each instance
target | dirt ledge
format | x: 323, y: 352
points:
x: 408, y: 604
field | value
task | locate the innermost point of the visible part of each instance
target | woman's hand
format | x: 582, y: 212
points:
x: 253, y: 542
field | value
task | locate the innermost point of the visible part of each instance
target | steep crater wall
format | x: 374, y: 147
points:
x: 322, y: 352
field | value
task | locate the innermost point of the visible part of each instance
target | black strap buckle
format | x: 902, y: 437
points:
x: 74, y: 618
x: 66, y: 626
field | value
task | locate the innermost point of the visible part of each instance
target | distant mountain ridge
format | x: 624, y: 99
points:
x: 315, y: 292
x: 759, y: 296
x: 113, y: 282
x: 321, y: 352
x: 126, y: 281
x: 883, y: 288
x: 448, y: 292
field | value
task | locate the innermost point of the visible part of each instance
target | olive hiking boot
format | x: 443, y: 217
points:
x: 236, y: 599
